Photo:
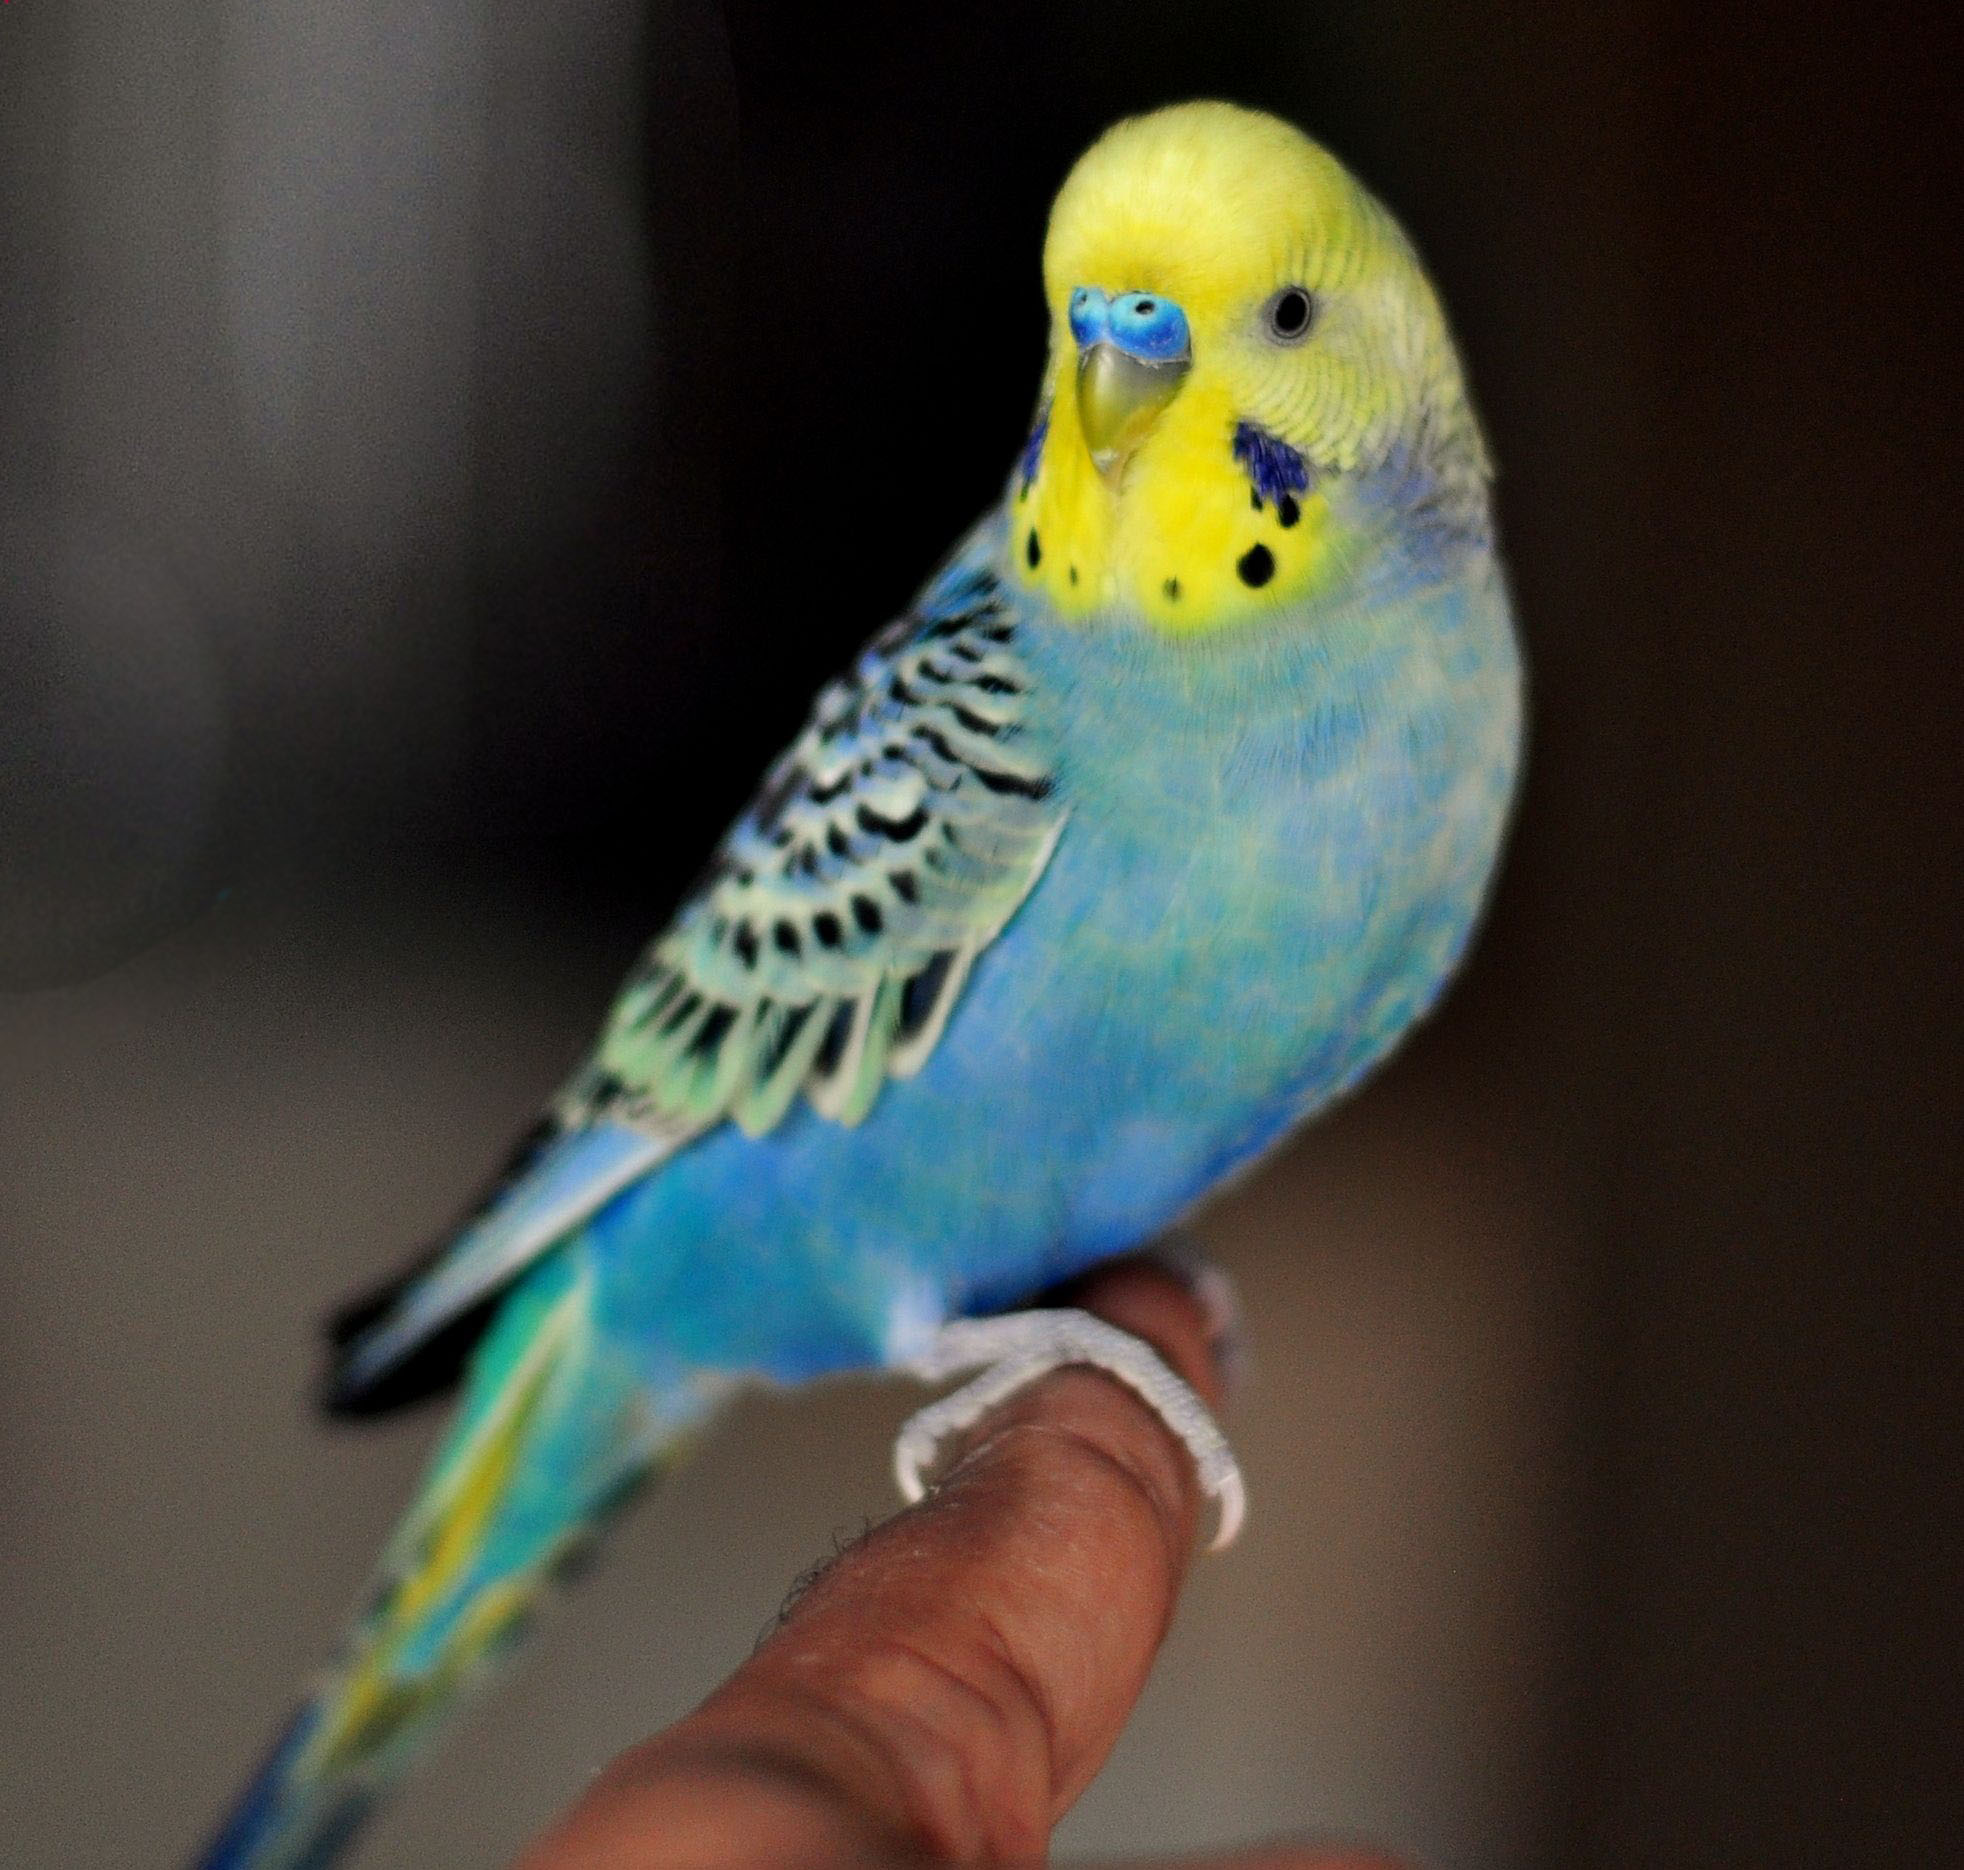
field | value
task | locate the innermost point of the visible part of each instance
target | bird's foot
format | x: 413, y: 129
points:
x: 1015, y: 1349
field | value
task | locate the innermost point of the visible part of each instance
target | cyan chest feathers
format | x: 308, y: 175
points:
x: 1334, y: 785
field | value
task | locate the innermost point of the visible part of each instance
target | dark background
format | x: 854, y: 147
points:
x: 442, y: 449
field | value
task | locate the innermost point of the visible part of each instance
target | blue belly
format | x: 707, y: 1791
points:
x: 1237, y: 923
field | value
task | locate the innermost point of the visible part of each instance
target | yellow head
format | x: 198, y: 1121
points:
x: 1241, y: 337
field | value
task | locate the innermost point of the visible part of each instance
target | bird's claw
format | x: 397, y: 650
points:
x: 1015, y: 1349
x: 1181, y: 1254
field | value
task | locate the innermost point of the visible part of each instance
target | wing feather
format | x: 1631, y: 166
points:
x: 833, y: 934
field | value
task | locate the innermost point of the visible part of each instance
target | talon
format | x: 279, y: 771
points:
x: 1016, y: 1349
x: 1181, y: 1254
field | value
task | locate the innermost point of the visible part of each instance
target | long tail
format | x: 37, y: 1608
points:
x: 554, y: 1433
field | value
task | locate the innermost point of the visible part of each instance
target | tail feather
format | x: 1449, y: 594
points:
x: 273, y: 1804
x: 564, y: 1180
x: 553, y: 1436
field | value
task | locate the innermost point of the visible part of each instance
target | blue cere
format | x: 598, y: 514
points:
x: 1149, y: 327
x: 1145, y: 325
x: 1091, y: 315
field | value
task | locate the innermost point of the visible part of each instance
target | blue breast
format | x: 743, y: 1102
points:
x: 1278, y: 845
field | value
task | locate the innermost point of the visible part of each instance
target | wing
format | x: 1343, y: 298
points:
x: 821, y: 953
x: 834, y: 930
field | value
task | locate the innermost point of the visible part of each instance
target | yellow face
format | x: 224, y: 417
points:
x: 1282, y: 334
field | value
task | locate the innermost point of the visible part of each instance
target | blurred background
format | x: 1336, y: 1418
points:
x: 442, y: 446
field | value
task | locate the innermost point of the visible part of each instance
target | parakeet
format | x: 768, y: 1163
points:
x: 1165, y: 810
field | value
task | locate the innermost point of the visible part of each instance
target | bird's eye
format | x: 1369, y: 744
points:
x: 1289, y: 315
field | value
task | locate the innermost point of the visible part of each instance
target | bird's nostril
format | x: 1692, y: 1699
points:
x: 1146, y: 308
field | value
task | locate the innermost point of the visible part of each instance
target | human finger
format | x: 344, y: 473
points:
x: 947, y: 1688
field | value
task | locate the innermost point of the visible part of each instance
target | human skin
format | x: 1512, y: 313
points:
x: 944, y: 1691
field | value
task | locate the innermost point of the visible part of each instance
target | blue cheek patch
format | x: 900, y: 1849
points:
x: 1031, y: 458
x: 1276, y: 471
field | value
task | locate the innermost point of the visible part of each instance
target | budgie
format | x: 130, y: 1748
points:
x: 1162, y: 814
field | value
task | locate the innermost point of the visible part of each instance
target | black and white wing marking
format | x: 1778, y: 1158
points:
x: 833, y: 932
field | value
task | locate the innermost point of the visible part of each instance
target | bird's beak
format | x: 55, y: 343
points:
x: 1119, y: 397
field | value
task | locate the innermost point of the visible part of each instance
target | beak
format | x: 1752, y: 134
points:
x: 1119, y: 397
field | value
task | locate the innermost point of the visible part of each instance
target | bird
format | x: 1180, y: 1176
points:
x: 1164, y: 811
